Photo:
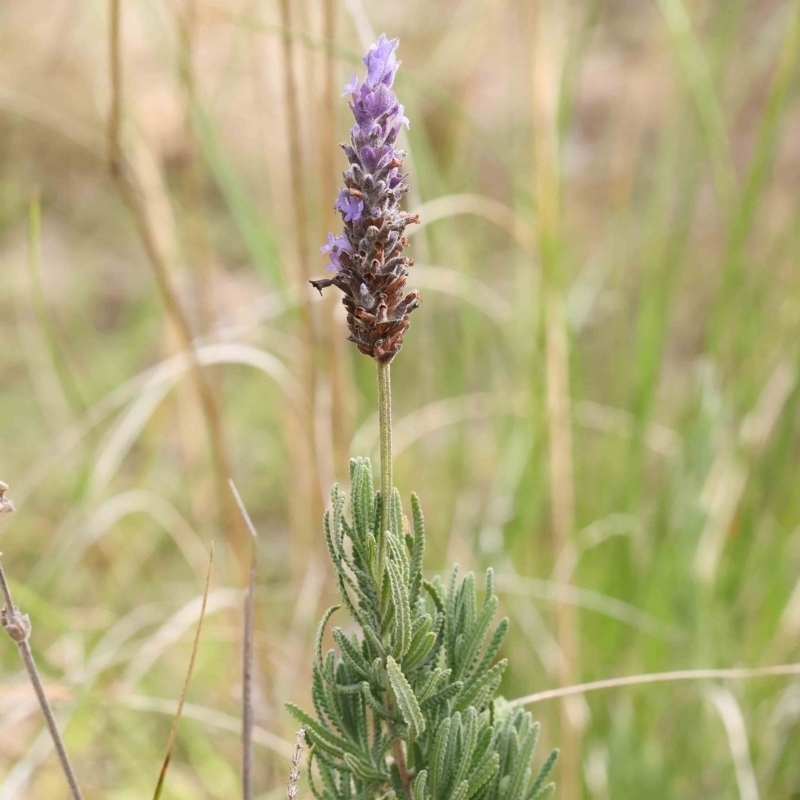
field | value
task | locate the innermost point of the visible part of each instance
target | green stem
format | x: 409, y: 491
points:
x: 385, y: 423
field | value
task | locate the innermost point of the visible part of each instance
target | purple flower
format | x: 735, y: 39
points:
x: 381, y: 62
x: 400, y: 119
x: 367, y: 258
x: 336, y: 246
x: 348, y: 204
x: 352, y: 87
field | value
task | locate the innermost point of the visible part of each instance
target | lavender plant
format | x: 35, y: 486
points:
x: 408, y: 707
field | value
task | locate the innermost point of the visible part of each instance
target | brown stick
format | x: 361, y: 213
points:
x: 400, y: 759
x: 247, y: 655
x: 18, y: 626
x: 126, y: 181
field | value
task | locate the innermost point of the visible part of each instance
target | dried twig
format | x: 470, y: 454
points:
x: 294, y: 770
x: 305, y: 464
x: 18, y: 626
x: 660, y: 677
x: 174, y: 732
x: 131, y: 193
x: 247, y: 656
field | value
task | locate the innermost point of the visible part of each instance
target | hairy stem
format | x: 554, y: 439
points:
x: 17, y: 626
x: 385, y: 423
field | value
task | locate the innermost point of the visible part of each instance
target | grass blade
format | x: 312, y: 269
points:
x: 174, y: 732
x: 247, y: 654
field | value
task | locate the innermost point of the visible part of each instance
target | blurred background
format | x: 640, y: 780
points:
x: 599, y: 396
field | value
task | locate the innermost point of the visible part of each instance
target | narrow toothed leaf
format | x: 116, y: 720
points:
x: 468, y: 744
x: 451, y: 592
x: 318, y: 638
x: 326, y: 528
x: 319, y: 734
x: 461, y: 791
x: 377, y: 508
x: 435, y: 679
x: 488, y: 588
x: 451, y: 628
x: 523, y: 763
x: 494, y: 646
x: 330, y: 790
x: 545, y: 792
x: 475, y: 636
x: 453, y: 748
x: 398, y: 552
x: 398, y: 790
x: 337, y: 528
x: 379, y: 676
x: 406, y: 700
x: 356, y: 507
x: 379, y: 708
x: 483, y: 774
x: 436, y: 596
x: 419, y: 651
x: 418, y: 785
x: 374, y: 640
x: 469, y: 602
x: 347, y: 601
x: 396, y: 515
x: 311, y: 785
x: 319, y: 697
x: 544, y: 773
x: 483, y: 746
x: 417, y: 550
x: 372, y: 555
x: 366, y: 603
x: 368, y: 489
x: 442, y: 696
x: 438, y: 756
x: 364, y: 770
x: 402, y: 612
x: 351, y: 653
x: 481, y: 687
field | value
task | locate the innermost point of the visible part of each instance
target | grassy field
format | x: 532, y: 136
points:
x: 599, y: 396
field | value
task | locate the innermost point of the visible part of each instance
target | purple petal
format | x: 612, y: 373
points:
x: 400, y: 119
x: 381, y: 62
x: 326, y: 248
x: 352, y: 87
x: 369, y: 158
x: 350, y: 205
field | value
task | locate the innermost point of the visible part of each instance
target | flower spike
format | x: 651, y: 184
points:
x: 367, y: 259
